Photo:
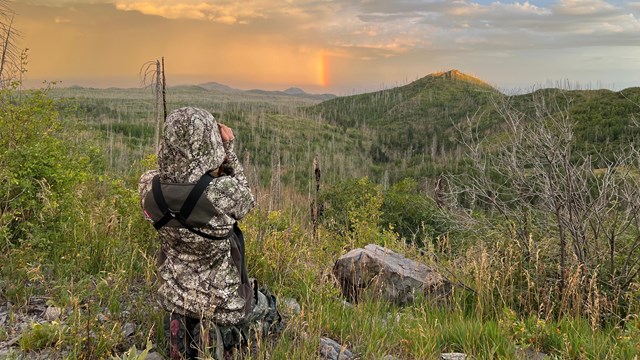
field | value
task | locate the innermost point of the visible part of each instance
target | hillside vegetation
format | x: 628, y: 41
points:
x: 530, y: 203
x: 416, y: 127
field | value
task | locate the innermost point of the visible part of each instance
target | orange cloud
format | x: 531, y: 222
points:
x: 222, y: 12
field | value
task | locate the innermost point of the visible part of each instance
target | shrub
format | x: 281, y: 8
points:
x: 343, y: 199
x: 414, y: 216
x: 35, y: 163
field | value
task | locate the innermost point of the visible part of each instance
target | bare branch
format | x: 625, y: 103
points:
x: 10, y: 54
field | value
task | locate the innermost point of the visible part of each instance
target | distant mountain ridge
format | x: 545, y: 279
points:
x: 218, y: 87
x: 292, y: 91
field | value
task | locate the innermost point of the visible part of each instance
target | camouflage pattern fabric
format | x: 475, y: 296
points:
x: 197, y: 276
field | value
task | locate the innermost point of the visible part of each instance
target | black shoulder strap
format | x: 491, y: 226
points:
x: 194, y: 195
x: 169, y: 214
x: 188, y: 206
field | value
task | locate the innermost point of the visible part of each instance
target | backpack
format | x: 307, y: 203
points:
x: 181, y: 205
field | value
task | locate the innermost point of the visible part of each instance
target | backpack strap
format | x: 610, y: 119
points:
x: 194, y: 195
x: 169, y: 214
x: 189, y: 204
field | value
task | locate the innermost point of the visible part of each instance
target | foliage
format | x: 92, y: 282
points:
x: 38, y: 167
x: 69, y: 232
x: 414, y: 216
x: 536, y: 184
x: 43, y: 335
x: 401, y: 209
x: 344, y: 200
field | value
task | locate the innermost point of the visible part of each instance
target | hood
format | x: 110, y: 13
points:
x: 190, y: 146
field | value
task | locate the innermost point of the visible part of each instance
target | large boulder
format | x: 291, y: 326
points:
x: 390, y: 274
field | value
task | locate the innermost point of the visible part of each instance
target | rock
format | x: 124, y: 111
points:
x: 331, y: 350
x: 52, y: 313
x: 128, y: 329
x: 395, y: 277
x: 289, y: 307
x: 154, y: 356
x: 102, y: 317
x: 453, y: 356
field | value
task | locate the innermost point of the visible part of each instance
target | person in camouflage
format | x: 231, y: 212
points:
x: 198, y: 277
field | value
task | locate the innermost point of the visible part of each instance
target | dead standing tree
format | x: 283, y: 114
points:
x: 537, y: 184
x: 11, y: 58
x: 316, y: 206
x: 152, y: 74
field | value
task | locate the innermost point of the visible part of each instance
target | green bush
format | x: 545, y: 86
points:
x: 343, y: 199
x: 414, y: 216
x: 400, y: 209
x: 40, y: 336
x: 35, y: 164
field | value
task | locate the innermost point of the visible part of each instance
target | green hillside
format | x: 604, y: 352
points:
x: 416, y: 116
x: 270, y: 129
x: 543, y: 248
x: 411, y: 130
x: 604, y: 119
x: 411, y: 126
x: 415, y: 128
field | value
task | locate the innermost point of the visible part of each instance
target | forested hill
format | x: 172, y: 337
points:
x: 429, y: 99
x: 414, y: 127
x: 406, y: 131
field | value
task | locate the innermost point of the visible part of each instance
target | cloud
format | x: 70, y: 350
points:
x: 63, y: 3
x: 384, y: 33
x: 634, y: 5
x: 583, y: 7
x: 486, y: 26
x: 392, y: 27
x: 226, y: 12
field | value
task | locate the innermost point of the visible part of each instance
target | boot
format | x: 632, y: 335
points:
x: 179, y: 329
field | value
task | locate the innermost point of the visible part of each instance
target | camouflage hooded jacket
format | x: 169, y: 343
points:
x: 197, y: 275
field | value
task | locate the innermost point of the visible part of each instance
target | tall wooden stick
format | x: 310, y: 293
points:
x: 316, y: 208
x: 158, y: 90
x: 164, y: 91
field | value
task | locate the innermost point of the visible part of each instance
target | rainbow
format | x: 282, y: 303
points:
x: 323, y: 69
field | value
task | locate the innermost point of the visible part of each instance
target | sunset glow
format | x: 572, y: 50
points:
x: 330, y: 46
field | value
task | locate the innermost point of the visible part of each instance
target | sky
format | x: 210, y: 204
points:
x: 336, y: 46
